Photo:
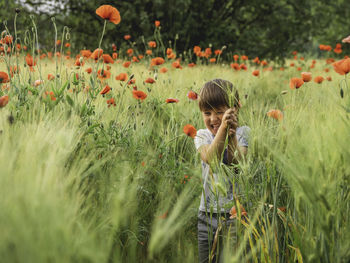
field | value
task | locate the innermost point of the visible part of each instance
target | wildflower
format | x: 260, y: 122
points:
x: 38, y: 82
x: 157, y: 23
x: 30, y: 61
x: 111, y: 102
x: 126, y: 64
x: 152, y: 44
x: 103, y: 74
x: 192, y: 95
x: 326, y: 70
x: 235, y: 66
x: 50, y: 76
x: 150, y: 81
x: 171, y: 100
x: 139, y: 95
x: 4, y: 77
x: 148, y: 52
x: 107, y: 59
x: 236, y: 57
x: 176, y: 64
x: 243, y: 66
x: 342, y: 66
x: 109, y: 13
x: 329, y: 78
x: 191, y: 65
x: 130, y: 51
x: 67, y: 44
x: 52, y: 95
x: 233, y: 212
x: 132, y: 81
x: 196, y: 50
x: 244, y: 57
x: 299, y: 68
x: 79, y: 62
x: 122, y: 77
x: 169, y: 51
x: 338, y: 49
x: 163, y: 70
x: 97, y: 53
x: 212, y: 60
x: 319, y: 79
x: 306, y: 76
x: 58, y: 42
x: 114, y: 47
x: 157, y: 61
x: 105, y: 90
x: 4, y: 100
x: 256, y: 60
x: 275, y: 114
x: 296, y: 83
x: 115, y: 55
x: 86, y: 53
x: 190, y: 131
x: 127, y: 37
x: 264, y: 63
x: 256, y: 73
x: 88, y: 70
x: 218, y: 52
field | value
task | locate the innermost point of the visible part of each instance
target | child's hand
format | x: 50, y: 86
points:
x: 230, y: 120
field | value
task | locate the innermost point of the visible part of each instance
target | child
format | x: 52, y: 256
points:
x: 221, y: 121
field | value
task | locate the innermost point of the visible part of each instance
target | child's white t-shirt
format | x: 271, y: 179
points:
x: 209, y: 200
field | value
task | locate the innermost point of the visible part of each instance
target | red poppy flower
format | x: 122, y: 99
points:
x: 127, y: 37
x: 30, y: 61
x: 85, y: 53
x: 122, y: 77
x: 50, y: 76
x: 88, y: 70
x: 191, y: 65
x: 171, y: 100
x: 130, y: 52
x: 105, y: 90
x: 243, y: 66
x: 107, y: 59
x: 111, y: 102
x: 152, y: 44
x: 243, y: 57
x: 157, y: 61
x: 135, y: 59
x: 114, y: 47
x: 196, y: 50
x: 235, y: 66
x: 97, y: 54
x: 212, y: 60
x: 103, y: 74
x: 189, y: 130
x: 342, y: 66
x: 109, y: 13
x: 115, y: 55
x: 256, y: 73
x: 4, y: 100
x: 126, y: 64
x: 329, y: 78
x: 176, y: 64
x: 79, y: 62
x: 4, y: 77
x: 58, y: 42
x: 233, y: 212
x: 218, y: 52
x: 148, y: 52
x: 306, y: 76
x: 163, y: 70
x: 157, y: 23
x: 67, y: 45
x: 139, y: 95
x: 275, y: 114
x: 150, y: 81
x: 319, y: 79
x: 236, y: 57
x: 192, y: 95
x: 296, y: 83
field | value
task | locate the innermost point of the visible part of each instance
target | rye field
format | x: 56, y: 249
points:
x: 98, y: 164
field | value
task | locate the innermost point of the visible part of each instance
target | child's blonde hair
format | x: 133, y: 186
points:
x: 217, y: 93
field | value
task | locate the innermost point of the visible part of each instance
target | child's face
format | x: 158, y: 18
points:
x: 212, y: 118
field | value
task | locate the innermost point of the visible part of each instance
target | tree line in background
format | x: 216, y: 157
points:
x: 268, y: 29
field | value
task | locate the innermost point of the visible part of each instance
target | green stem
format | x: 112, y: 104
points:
x: 98, y: 57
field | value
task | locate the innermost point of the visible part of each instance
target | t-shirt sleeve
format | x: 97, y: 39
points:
x: 202, y: 138
x: 243, y: 136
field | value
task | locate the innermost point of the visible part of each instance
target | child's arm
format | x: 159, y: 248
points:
x: 213, y: 151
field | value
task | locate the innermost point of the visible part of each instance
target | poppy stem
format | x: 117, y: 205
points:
x: 103, y: 32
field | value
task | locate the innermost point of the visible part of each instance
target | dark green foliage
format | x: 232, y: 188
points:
x: 268, y: 29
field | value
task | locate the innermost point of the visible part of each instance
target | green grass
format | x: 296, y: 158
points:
x: 83, y: 182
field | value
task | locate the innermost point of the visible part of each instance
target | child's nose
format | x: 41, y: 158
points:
x: 214, y: 117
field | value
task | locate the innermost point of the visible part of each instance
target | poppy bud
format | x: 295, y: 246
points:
x: 341, y: 93
x: 17, y: 10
